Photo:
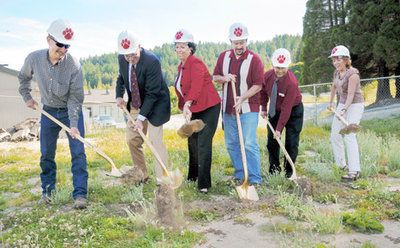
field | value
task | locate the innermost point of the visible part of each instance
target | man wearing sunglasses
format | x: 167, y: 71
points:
x: 60, y: 82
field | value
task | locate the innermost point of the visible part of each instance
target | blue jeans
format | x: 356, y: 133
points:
x: 249, y: 123
x: 48, y: 146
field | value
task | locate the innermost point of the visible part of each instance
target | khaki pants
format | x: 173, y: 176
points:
x: 135, y: 144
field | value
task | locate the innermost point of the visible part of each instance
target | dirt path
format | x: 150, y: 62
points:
x: 258, y: 231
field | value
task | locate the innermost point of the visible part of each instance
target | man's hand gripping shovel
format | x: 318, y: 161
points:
x: 245, y: 192
x: 115, y: 172
x: 171, y: 178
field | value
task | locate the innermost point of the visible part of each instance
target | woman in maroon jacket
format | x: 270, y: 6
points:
x: 198, y: 99
x: 285, y: 109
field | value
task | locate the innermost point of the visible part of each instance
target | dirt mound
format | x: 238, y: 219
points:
x: 305, y: 186
x: 132, y: 175
x: 165, y: 201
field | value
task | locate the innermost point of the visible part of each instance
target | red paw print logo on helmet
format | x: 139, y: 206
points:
x: 334, y: 50
x: 178, y: 35
x: 281, y: 59
x: 238, y: 32
x: 125, y: 43
x: 68, y: 33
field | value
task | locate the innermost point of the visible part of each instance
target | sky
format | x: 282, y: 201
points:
x: 97, y: 23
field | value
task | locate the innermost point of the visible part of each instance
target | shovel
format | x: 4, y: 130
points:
x: 293, y: 177
x: 244, y: 191
x: 190, y: 127
x: 115, y: 172
x: 171, y: 178
x: 349, y: 128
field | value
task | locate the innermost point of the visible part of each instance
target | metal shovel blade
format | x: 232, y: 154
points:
x: 246, y: 192
x: 191, y: 127
x: 174, y: 180
x: 351, y: 128
x: 114, y: 172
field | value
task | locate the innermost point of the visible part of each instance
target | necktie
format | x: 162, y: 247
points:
x: 135, y: 89
x: 272, y: 103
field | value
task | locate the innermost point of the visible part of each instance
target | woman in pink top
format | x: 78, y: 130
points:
x: 346, y: 82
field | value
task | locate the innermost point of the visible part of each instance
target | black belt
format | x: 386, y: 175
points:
x: 47, y: 107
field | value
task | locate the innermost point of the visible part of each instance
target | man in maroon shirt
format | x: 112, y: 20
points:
x: 245, y: 69
x: 285, y: 109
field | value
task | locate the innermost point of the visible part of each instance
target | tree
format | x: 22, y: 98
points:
x: 106, y: 80
x: 387, y: 44
x: 376, y: 29
x: 92, y: 75
x: 320, y: 24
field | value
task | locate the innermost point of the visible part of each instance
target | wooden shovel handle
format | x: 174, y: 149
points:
x: 340, y: 117
x: 148, y: 143
x: 242, y: 150
x: 77, y: 137
x: 288, y: 158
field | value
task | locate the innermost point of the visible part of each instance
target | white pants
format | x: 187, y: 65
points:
x: 352, y: 115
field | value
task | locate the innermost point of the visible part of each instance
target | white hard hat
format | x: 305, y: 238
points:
x: 127, y: 42
x: 340, y: 51
x: 61, y: 31
x: 281, y: 58
x: 238, y: 31
x: 183, y: 35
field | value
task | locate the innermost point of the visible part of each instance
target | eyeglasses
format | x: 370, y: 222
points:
x: 60, y: 44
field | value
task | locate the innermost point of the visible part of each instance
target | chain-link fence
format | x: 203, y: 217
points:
x: 381, y: 95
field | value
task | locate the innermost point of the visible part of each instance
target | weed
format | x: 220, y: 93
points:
x: 368, y: 184
x: 383, y: 127
x: 133, y: 195
x: 243, y: 221
x: 326, y: 223
x: 326, y: 198
x: 324, y: 172
x: 202, y: 215
x: 293, y: 206
x: 275, y: 182
x: 368, y: 245
x: 61, y: 195
x: 3, y: 203
x: 363, y: 221
x: 393, y: 153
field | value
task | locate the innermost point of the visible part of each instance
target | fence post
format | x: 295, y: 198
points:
x: 315, y: 105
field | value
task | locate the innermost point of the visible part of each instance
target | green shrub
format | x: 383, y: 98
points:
x: 362, y: 221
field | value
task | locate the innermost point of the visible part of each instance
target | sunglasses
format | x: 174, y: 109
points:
x: 60, y: 45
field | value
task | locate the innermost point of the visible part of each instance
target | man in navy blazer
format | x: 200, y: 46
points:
x: 148, y: 100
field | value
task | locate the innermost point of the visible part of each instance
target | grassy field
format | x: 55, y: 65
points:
x: 126, y: 216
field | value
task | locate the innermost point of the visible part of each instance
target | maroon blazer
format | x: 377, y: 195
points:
x: 196, y: 85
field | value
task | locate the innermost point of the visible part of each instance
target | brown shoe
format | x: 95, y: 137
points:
x: 80, y: 203
x: 45, y: 200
